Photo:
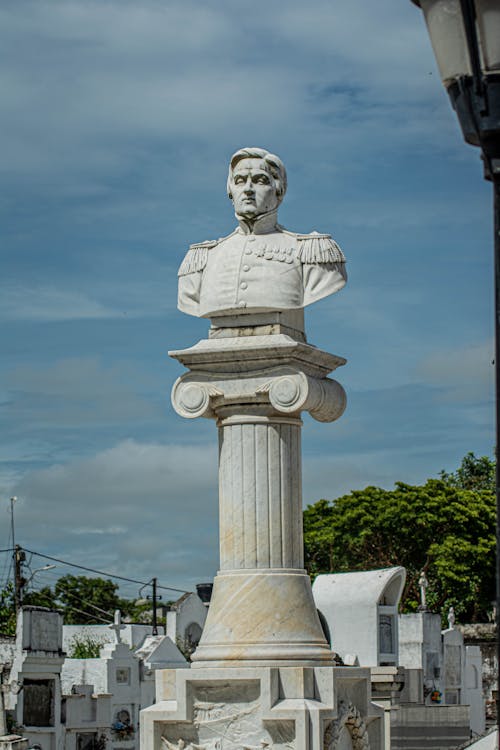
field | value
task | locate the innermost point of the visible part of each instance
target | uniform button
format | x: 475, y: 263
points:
x: 248, y: 251
x: 246, y: 268
x: 243, y: 285
x: 251, y: 239
x: 242, y: 304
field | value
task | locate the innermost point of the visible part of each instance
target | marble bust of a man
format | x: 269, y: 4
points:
x: 261, y: 266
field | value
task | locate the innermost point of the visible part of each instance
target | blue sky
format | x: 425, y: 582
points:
x: 118, y: 119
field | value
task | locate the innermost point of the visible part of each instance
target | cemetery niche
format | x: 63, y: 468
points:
x: 263, y: 674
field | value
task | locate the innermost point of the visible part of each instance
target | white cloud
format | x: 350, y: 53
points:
x: 104, y: 299
x: 95, y: 73
x: 117, y: 120
x: 48, y: 303
x: 77, y: 392
x: 136, y: 509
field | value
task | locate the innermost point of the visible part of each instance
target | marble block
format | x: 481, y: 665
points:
x: 298, y: 708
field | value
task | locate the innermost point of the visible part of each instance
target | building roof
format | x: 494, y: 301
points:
x: 383, y: 586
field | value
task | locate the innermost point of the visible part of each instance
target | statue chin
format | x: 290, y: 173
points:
x: 249, y: 214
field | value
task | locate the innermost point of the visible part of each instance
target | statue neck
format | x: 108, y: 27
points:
x: 261, y: 224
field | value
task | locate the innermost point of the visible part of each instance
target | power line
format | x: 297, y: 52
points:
x: 81, y: 612
x: 88, y: 604
x: 82, y: 601
x: 85, y: 601
x: 103, y: 573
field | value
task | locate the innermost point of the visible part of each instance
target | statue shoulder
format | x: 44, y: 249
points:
x: 318, y: 248
x: 196, y: 257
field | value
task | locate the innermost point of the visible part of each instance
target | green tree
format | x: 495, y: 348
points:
x: 86, y: 601
x: 7, y: 610
x: 80, y: 599
x: 443, y: 528
x: 473, y: 474
x: 45, y: 597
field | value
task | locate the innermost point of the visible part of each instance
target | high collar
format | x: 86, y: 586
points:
x: 263, y: 224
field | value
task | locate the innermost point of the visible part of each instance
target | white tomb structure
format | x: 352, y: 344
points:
x: 361, y: 611
x: 442, y: 701
x: 263, y: 675
x: 421, y: 654
x: 132, y: 634
x: 473, y: 689
x: 127, y: 676
x: 36, y: 670
x: 80, y: 704
x: 186, y: 620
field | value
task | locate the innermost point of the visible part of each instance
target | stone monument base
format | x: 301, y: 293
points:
x: 250, y: 621
x: 292, y: 708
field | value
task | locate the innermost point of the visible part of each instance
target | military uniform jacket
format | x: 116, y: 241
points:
x: 259, y: 268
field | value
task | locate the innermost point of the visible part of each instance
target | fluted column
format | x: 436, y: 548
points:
x: 260, y: 495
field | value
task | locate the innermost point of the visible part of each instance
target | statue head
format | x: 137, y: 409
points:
x: 256, y: 183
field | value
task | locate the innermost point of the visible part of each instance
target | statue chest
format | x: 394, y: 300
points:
x: 252, y: 271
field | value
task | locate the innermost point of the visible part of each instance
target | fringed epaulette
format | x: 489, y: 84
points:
x: 196, y: 257
x: 318, y: 248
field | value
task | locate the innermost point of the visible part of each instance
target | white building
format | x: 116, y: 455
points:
x: 82, y: 704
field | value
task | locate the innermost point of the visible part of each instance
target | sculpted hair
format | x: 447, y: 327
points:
x: 274, y: 163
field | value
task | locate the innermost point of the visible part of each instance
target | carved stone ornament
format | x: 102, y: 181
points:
x: 201, y: 395
x: 351, y: 722
x: 181, y: 745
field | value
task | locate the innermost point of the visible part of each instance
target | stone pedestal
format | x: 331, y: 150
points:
x: 263, y: 673
x: 303, y: 708
x: 262, y: 611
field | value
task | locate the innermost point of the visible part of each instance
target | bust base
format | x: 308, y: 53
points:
x: 288, y: 322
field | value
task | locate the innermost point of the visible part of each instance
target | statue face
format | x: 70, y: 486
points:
x: 253, y: 188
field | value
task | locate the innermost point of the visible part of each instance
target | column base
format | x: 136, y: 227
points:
x: 262, y: 617
x: 286, y: 708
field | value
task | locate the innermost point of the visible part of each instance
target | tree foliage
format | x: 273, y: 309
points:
x: 473, y: 474
x: 80, y: 599
x: 85, y: 600
x: 445, y: 527
x: 7, y: 610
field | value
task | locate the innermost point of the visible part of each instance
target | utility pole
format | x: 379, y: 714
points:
x: 155, y: 623
x: 13, y: 539
x: 19, y: 581
x: 154, y: 583
x: 3, y: 689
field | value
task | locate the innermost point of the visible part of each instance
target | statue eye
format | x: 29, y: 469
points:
x: 238, y: 180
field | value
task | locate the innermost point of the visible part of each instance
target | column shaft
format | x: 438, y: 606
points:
x: 260, y: 491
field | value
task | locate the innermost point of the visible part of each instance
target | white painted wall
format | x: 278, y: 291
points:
x: 187, y: 616
x: 352, y: 604
x: 474, y: 688
x: 131, y: 634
